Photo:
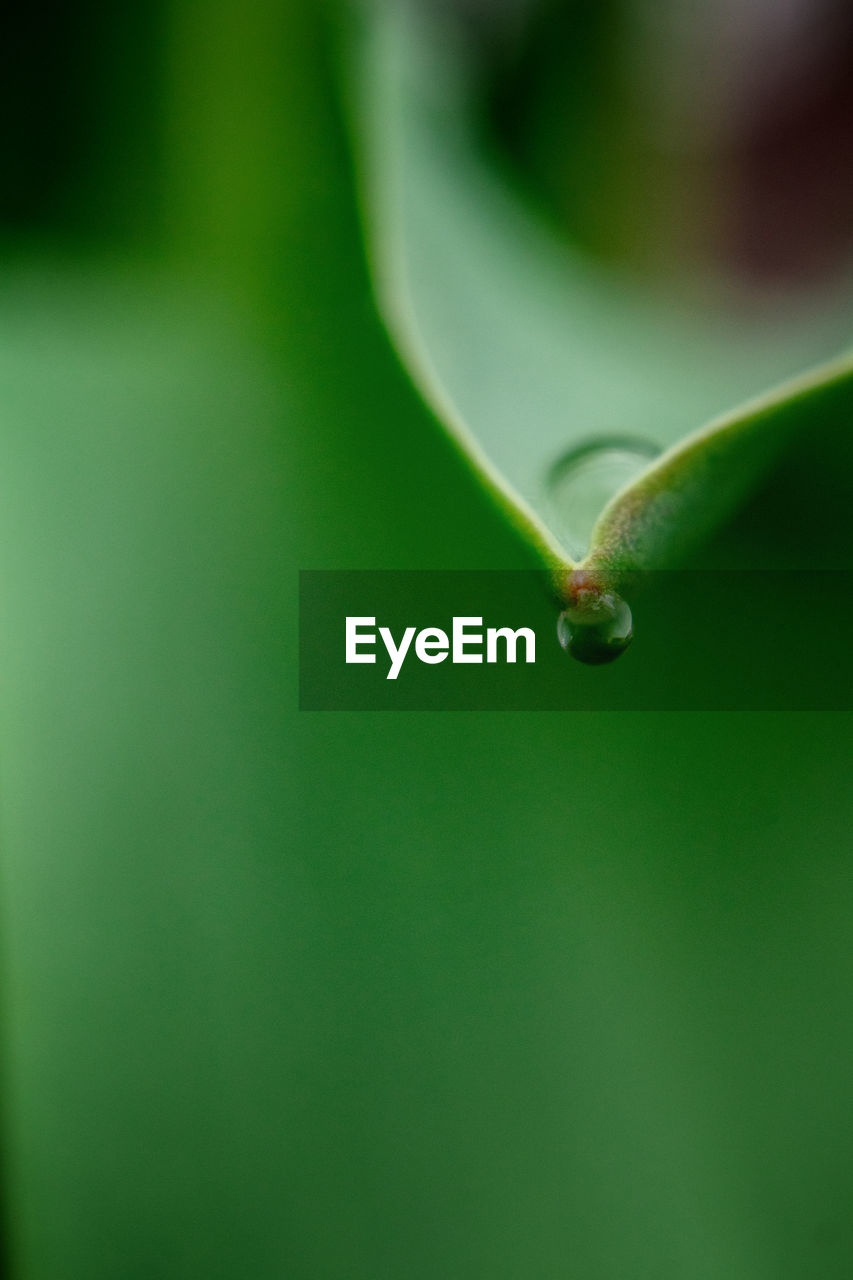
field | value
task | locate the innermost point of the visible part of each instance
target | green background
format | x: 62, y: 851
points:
x: 351, y: 995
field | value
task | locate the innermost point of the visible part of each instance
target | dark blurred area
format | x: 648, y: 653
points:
x: 707, y: 143
x: 687, y: 141
x: 81, y: 88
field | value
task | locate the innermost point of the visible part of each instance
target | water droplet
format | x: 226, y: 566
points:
x: 582, y: 481
x: 596, y: 628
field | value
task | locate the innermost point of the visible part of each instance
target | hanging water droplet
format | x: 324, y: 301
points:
x: 582, y: 481
x: 596, y: 627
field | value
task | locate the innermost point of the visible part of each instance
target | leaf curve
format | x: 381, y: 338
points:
x: 532, y: 357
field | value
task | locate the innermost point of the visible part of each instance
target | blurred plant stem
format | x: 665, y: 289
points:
x: 245, y: 125
x: 188, y: 132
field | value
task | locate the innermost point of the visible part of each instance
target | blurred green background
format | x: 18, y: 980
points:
x: 328, y: 996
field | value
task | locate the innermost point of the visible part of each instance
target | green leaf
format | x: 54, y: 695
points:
x: 577, y: 397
